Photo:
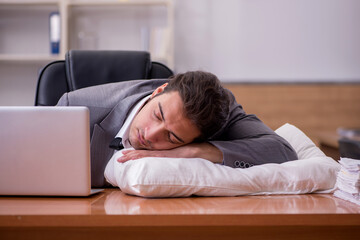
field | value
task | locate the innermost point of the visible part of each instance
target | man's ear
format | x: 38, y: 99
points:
x: 159, y: 90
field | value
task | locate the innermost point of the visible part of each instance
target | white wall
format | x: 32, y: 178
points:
x: 269, y: 40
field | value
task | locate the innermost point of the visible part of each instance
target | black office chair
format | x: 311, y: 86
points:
x: 82, y: 68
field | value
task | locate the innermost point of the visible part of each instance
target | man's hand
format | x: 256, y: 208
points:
x: 192, y: 150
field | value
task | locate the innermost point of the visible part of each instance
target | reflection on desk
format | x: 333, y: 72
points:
x: 115, y: 202
x: 113, y: 213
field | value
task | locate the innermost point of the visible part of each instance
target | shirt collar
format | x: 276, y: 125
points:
x: 125, y: 129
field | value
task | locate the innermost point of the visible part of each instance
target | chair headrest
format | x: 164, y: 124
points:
x: 87, y: 68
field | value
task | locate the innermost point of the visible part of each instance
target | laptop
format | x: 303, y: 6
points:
x: 45, y: 151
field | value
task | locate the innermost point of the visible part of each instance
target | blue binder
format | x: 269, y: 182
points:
x: 54, y: 32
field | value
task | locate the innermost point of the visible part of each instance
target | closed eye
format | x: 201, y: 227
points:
x: 162, y: 118
x: 170, y: 140
x: 157, y: 116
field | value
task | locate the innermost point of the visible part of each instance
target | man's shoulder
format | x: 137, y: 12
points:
x: 108, y: 94
x: 121, y: 86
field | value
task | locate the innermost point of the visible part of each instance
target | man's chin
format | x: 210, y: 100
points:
x: 140, y: 148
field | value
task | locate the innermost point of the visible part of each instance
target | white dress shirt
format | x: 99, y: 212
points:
x: 125, y: 129
x: 124, y: 134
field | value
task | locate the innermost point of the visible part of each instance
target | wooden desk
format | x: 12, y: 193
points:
x: 113, y: 214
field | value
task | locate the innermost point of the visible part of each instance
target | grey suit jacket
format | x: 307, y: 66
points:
x: 244, y: 139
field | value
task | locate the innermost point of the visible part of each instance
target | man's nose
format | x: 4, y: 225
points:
x: 155, y: 133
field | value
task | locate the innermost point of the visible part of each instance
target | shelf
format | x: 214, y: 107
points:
x: 85, y: 25
x: 84, y: 3
x: 28, y: 2
x: 118, y: 2
x: 28, y: 58
x: 30, y: 18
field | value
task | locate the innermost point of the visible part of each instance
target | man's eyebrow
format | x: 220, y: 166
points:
x: 161, y: 111
x: 162, y: 115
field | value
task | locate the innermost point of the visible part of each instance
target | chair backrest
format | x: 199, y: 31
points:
x: 82, y: 68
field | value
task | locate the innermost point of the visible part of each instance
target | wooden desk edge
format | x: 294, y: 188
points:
x: 270, y: 220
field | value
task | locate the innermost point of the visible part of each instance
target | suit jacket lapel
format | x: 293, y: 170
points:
x: 104, y: 132
x: 116, y: 118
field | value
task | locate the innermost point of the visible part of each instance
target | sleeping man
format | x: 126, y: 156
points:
x: 188, y: 115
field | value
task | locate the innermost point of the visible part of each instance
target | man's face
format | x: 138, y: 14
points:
x: 161, y: 124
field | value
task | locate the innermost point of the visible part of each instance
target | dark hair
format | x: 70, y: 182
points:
x: 206, y: 102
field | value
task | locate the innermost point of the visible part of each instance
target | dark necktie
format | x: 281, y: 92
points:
x: 116, y: 144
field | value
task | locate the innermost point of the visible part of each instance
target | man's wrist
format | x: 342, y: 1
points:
x: 207, y: 151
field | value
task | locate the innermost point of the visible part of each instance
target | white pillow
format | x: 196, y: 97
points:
x: 304, y: 147
x: 181, y: 177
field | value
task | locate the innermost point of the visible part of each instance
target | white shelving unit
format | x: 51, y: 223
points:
x: 85, y: 24
x: 24, y: 34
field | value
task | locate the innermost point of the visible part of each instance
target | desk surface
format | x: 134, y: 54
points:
x: 118, y: 209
